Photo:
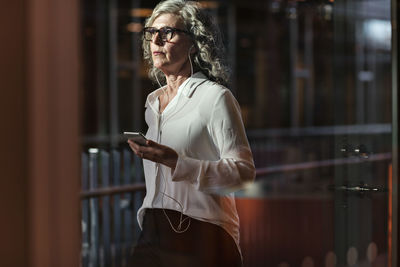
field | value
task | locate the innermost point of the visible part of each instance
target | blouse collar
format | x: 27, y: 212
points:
x: 187, y: 88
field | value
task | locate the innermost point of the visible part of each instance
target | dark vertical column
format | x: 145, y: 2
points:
x: 127, y: 212
x: 94, y: 226
x: 113, y: 72
x: 116, y: 173
x: 85, y: 212
x: 232, y: 29
x: 138, y: 97
x: 293, y: 43
x: 106, y: 202
x: 341, y: 70
x: 102, y: 67
x: 13, y: 134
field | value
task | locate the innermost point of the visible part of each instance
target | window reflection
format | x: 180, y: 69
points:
x: 283, y: 55
x: 313, y: 79
x: 306, y: 74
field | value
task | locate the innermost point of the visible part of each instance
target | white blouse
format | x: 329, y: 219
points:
x: 203, y: 125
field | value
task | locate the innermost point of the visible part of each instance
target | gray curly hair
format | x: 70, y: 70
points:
x: 206, y: 37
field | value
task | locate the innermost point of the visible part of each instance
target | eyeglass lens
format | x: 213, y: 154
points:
x: 165, y: 34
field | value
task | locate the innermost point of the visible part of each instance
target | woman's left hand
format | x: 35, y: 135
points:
x: 155, y: 152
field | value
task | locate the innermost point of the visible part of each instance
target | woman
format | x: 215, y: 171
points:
x: 197, y: 152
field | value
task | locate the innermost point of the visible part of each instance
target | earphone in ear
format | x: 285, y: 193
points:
x: 190, y: 49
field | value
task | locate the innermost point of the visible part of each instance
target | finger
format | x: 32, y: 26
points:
x: 134, y: 147
x: 151, y: 143
x: 142, y: 151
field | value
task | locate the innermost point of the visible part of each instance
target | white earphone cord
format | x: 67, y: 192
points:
x: 179, y: 229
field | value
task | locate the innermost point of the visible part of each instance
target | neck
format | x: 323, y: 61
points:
x: 174, y: 80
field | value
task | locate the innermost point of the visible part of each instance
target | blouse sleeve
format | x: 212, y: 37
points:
x: 235, y: 165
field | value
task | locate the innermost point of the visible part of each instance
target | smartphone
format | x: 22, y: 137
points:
x: 136, y: 137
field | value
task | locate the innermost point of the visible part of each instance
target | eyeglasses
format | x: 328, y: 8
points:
x: 164, y: 33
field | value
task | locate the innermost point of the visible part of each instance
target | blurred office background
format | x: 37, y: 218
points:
x: 317, y: 85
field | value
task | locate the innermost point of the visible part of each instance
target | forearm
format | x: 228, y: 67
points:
x: 224, y: 175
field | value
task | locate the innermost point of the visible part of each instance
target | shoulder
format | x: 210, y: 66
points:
x: 217, y: 101
x: 212, y: 91
x: 200, y: 84
x: 207, y: 93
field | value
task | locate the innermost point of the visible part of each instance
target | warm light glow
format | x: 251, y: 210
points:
x: 330, y: 259
x: 209, y: 4
x: 372, y: 252
x: 134, y: 27
x: 141, y: 12
x: 283, y: 264
x: 253, y: 189
x: 307, y: 262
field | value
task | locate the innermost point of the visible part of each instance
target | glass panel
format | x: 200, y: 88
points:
x: 313, y: 79
x: 362, y: 75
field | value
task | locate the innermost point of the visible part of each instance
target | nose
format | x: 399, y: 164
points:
x: 157, y: 39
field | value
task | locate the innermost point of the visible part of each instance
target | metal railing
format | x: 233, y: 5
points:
x: 113, y: 189
x: 112, y: 192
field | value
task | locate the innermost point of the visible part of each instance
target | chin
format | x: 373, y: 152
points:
x: 158, y: 64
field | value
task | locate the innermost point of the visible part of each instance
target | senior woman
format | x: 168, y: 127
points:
x: 196, y: 152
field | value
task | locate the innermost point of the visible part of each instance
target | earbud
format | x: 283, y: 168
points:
x: 190, y: 49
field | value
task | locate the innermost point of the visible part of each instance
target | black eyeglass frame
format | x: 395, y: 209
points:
x: 162, y: 32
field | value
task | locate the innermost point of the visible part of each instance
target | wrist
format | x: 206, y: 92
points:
x: 171, y: 161
x: 174, y: 161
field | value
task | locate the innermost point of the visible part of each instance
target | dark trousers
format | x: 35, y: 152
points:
x: 203, y: 244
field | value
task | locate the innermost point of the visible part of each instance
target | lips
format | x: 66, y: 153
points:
x: 156, y: 53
